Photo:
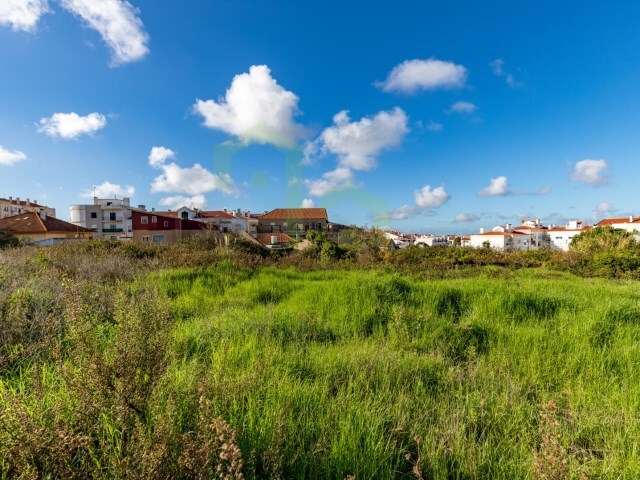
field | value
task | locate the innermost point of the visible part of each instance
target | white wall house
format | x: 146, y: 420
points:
x: 630, y: 224
x: 431, y: 240
x: 400, y: 240
x: 560, y: 237
x: 501, y: 240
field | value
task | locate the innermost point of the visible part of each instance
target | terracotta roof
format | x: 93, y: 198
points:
x: 32, y: 223
x: 531, y: 229
x: 164, y: 214
x: 565, y: 229
x: 296, y: 214
x: 612, y: 221
x: 265, y: 238
x: 501, y: 234
x: 215, y: 214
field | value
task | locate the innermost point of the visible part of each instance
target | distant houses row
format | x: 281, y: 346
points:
x: 529, y: 235
x: 117, y: 219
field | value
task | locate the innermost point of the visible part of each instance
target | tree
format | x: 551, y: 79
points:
x: 601, y: 239
x: 8, y: 240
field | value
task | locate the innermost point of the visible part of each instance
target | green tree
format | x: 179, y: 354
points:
x: 602, y: 239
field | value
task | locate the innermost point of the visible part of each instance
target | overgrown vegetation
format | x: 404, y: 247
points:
x: 204, y: 360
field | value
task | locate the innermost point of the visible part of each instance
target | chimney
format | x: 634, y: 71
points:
x: 43, y: 215
x: 630, y: 218
x: 508, y: 227
x: 481, y: 230
x: 28, y: 203
x: 18, y: 200
x: 11, y: 199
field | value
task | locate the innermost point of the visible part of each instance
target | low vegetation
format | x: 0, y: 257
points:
x: 207, y: 361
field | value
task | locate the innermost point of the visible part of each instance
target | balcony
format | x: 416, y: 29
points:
x: 112, y: 230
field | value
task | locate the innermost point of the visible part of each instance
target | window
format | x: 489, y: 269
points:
x: 166, y: 223
x: 144, y: 220
x: 94, y: 215
x: 112, y: 215
x: 158, y: 239
x: 113, y: 227
x: 184, y: 215
x: 154, y: 219
x: 145, y: 239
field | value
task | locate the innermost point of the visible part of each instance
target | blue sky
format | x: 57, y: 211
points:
x: 427, y: 117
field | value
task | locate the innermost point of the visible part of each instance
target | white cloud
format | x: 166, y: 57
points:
x: 22, y: 15
x: 159, y: 155
x: 434, y: 126
x: 179, y: 201
x: 256, y: 109
x: 71, y: 125
x: 603, y: 209
x: 308, y: 203
x: 497, y: 67
x: 462, y: 107
x: 11, y: 157
x: 466, y: 218
x: 432, y: 74
x: 426, y: 200
x: 591, y: 172
x: 499, y: 187
x: 357, y: 144
x: 339, y: 179
x: 110, y: 190
x: 117, y: 23
x: 193, y: 181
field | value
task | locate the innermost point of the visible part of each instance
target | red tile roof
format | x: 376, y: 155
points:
x: 215, y: 214
x: 612, y: 221
x: 296, y: 214
x: 502, y: 234
x: 32, y: 223
x: 565, y: 229
x: 265, y: 238
x: 164, y: 214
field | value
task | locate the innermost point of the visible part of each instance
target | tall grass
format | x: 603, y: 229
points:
x: 220, y: 371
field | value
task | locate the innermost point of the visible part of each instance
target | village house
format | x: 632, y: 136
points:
x: 502, y: 238
x: 225, y: 221
x: 295, y: 222
x: 41, y: 229
x: 537, y: 231
x: 13, y: 206
x: 276, y: 241
x: 630, y: 224
x: 153, y: 227
x: 399, y: 240
x: 431, y: 241
x: 560, y: 237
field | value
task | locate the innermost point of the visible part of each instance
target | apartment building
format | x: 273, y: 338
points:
x: 153, y: 227
x: 630, y: 224
x: 560, y: 237
x: 15, y: 206
x: 108, y: 218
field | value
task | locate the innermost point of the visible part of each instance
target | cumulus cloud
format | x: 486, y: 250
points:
x: 71, y: 125
x: 603, y: 209
x: 22, y: 15
x: 432, y: 74
x: 462, y: 107
x: 256, y: 109
x: 497, y: 67
x: 117, y: 23
x: 498, y: 187
x: 159, y: 155
x: 339, y: 179
x: 11, y: 157
x: 178, y: 201
x: 308, y: 203
x: 357, y: 145
x: 466, y: 218
x: 110, y: 190
x: 426, y: 200
x: 434, y: 126
x: 193, y: 181
x: 591, y: 172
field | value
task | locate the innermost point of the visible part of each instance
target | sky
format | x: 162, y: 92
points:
x: 421, y: 116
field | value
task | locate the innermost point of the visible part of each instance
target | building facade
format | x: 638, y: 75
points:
x: 152, y: 227
x: 14, y: 206
x: 108, y: 218
x: 41, y: 229
x: 295, y: 222
x: 560, y: 237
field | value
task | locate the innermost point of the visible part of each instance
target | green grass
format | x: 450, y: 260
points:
x: 337, y: 373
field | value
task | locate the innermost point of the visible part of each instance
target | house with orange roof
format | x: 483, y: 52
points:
x: 560, y: 237
x: 502, y: 238
x: 295, y: 222
x: 226, y: 221
x: 42, y: 229
x: 630, y: 224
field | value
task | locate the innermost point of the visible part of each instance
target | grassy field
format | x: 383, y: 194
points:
x: 230, y: 372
